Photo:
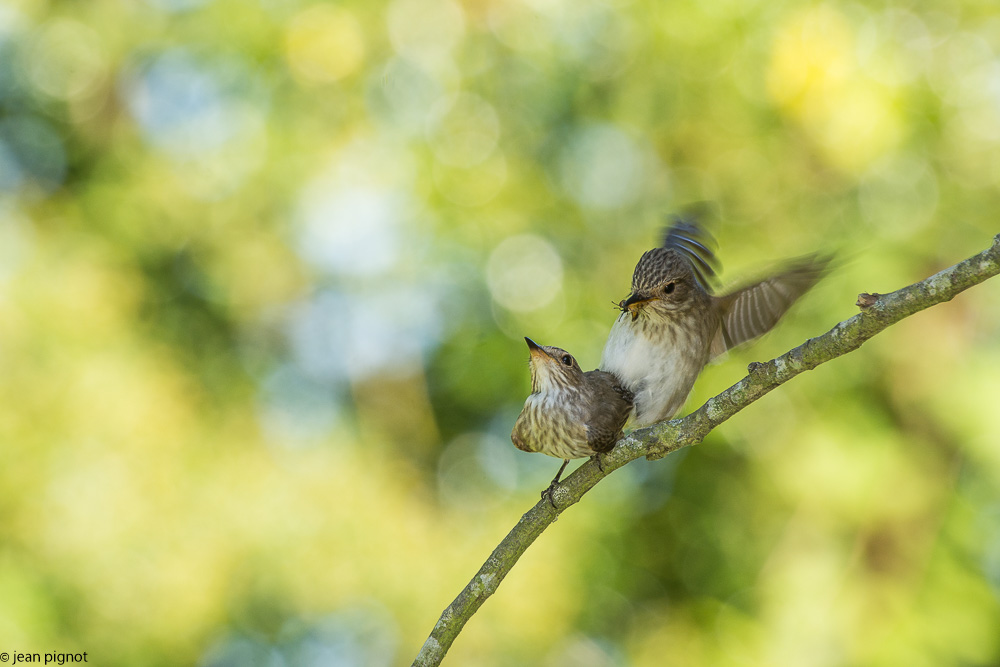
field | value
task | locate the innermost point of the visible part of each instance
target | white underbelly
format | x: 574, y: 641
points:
x: 660, y: 373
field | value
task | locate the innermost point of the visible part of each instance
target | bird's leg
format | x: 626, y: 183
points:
x: 555, y: 482
x: 600, y: 462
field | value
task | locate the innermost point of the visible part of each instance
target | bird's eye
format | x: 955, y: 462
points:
x: 568, y: 360
x: 669, y: 289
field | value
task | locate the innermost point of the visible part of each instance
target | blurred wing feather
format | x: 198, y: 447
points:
x: 697, y: 245
x: 752, y: 311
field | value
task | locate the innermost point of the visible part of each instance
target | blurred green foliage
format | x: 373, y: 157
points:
x: 264, y: 272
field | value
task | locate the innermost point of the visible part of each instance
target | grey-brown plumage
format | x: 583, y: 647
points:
x: 569, y: 414
x: 672, y: 325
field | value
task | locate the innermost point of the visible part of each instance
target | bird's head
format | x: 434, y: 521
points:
x: 552, y: 368
x: 668, y: 280
x: 663, y: 283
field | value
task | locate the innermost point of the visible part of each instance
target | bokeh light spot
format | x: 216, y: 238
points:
x: 207, y: 117
x: 520, y: 27
x: 463, y: 130
x: 323, y: 44
x: 391, y: 329
x: 894, y: 47
x: 425, y: 30
x: 402, y: 94
x: 318, y: 331
x: 188, y: 108
x: 220, y: 173
x: 475, y: 186
x: 350, y: 215
x: 899, y: 196
x: 524, y: 273
x: 67, y: 60
x: 476, y: 471
x: 338, y: 337
x: 602, y: 168
x: 296, y: 408
x: 351, y: 231
x: 815, y: 78
x: 978, y: 101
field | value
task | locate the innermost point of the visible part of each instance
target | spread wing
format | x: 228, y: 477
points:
x: 695, y: 244
x: 752, y: 311
x: 609, y: 410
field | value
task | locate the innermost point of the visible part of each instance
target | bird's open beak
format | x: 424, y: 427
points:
x: 634, y: 303
x: 535, y: 350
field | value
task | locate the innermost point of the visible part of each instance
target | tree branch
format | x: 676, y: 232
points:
x: 654, y: 442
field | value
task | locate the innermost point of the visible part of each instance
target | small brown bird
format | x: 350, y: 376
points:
x: 569, y: 414
x: 671, y: 324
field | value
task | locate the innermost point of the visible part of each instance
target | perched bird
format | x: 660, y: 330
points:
x: 671, y: 324
x: 569, y: 414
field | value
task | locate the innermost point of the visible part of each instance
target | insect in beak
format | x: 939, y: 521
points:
x: 633, y: 305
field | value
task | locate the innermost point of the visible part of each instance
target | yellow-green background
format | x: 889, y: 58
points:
x: 265, y: 266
